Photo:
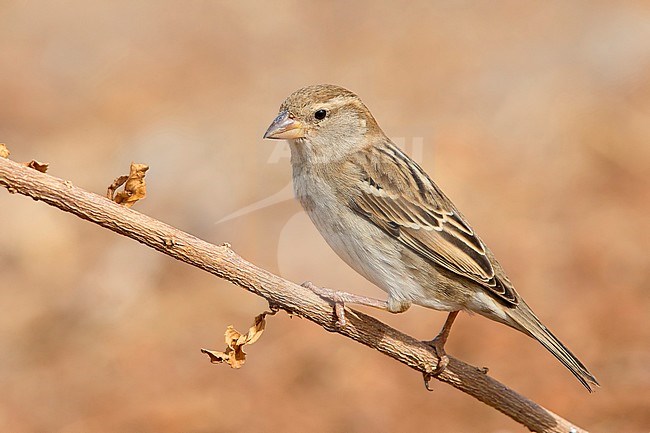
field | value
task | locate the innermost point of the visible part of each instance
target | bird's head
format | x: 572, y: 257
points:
x: 323, y: 123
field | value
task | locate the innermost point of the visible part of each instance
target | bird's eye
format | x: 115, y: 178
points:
x: 320, y: 114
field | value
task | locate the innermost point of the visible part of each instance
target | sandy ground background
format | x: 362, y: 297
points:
x: 532, y: 116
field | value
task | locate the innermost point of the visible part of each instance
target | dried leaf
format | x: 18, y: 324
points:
x: 118, y: 182
x: 134, y: 186
x: 38, y: 166
x: 235, y: 341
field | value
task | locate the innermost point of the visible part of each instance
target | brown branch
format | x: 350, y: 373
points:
x: 224, y: 263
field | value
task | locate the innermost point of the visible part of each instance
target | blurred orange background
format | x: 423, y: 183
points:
x: 532, y: 116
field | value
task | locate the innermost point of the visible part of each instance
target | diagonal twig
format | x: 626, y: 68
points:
x: 223, y: 262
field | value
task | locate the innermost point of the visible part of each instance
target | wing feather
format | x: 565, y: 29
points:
x: 421, y: 217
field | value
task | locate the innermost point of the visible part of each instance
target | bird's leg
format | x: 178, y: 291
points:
x: 438, y: 345
x: 339, y: 299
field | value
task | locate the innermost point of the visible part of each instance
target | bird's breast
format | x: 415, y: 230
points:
x: 359, y: 243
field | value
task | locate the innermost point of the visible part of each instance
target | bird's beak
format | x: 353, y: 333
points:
x: 284, y: 127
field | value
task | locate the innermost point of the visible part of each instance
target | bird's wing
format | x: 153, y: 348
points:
x: 397, y: 196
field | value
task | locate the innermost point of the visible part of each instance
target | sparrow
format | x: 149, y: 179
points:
x: 385, y: 217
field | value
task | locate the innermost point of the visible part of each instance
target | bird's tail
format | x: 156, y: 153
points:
x: 526, y: 321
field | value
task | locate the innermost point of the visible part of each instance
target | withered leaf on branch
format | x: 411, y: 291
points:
x: 134, y: 186
x: 38, y: 166
x: 118, y: 182
x: 235, y: 341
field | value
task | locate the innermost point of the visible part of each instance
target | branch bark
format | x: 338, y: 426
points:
x: 222, y: 261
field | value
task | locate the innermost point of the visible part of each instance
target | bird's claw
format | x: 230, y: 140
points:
x: 334, y: 297
x: 443, y: 362
x: 438, y: 345
x: 427, y: 379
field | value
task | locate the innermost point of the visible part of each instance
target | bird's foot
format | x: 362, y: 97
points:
x: 333, y: 296
x: 438, y: 345
x: 339, y: 299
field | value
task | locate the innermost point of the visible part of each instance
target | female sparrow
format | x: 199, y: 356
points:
x: 381, y: 213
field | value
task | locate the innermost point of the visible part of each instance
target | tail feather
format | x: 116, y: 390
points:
x: 526, y: 321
